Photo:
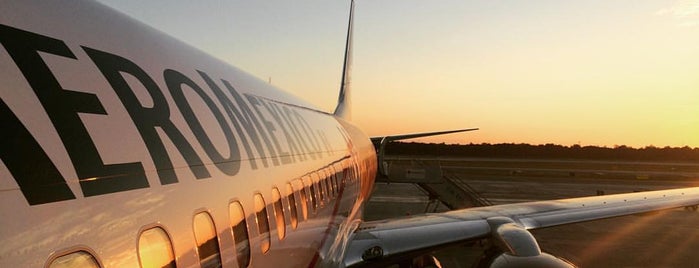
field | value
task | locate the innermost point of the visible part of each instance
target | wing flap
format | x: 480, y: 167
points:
x: 410, y: 237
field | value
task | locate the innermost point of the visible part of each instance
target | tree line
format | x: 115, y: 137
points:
x: 547, y: 151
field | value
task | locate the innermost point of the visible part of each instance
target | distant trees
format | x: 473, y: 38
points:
x: 548, y: 151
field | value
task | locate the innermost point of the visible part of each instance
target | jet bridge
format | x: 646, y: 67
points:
x: 439, y: 185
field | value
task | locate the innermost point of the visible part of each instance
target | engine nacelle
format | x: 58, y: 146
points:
x: 543, y: 260
x: 515, y: 246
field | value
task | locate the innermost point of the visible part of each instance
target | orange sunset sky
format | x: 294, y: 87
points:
x: 567, y: 72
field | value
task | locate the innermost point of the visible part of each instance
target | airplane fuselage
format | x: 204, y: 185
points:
x: 113, y: 131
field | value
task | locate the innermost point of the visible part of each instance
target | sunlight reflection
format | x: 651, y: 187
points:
x: 606, y: 244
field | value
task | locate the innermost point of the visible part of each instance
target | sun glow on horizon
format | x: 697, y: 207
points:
x: 590, y: 72
x: 552, y: 74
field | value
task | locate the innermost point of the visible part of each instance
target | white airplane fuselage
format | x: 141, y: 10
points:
x: 112, y: 128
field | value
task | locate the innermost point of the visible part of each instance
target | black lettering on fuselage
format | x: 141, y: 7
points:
x: 302, y: 141
x: 309, y: 133
x: 243, y: 126
x: 62, y: 107
x: 147, y: 119
x: 328, y: 148
x: 40, y: 181
x: 271, y: 129
x: 285, y: 157
x: 264, y: 123
x: 273, y: 109
x: 175, y: 81
x: 248, y: 115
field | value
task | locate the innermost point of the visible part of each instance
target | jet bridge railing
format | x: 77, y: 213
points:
x: 440, y: 185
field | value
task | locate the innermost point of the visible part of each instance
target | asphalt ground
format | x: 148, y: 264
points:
x: 663, y: 239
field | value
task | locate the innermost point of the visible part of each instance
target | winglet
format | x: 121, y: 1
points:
x: 344, y: 101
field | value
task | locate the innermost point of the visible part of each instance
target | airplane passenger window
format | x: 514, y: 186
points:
x: 76, y: 259
x: 303, y: 193
x: 338, y: 179
x: 239, y: 228
x: 326, y: 183
x: 331, y: 187
x: 292, y: 206
x: 262, y: 222
x: 318, y: 181
x: 207, y: 240
x: 331, y: 183
x: 334, y: 183
x: 278, y: 213
x: 340, y: 174
x: 314, y: 196
x: 155, y: 249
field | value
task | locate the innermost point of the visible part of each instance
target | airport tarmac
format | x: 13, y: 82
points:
x: 663, y: 239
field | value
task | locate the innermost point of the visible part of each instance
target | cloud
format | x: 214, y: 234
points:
x: 685, y: 12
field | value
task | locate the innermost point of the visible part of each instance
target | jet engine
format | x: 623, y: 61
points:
x: 514, y: 246
x: 505, y: 260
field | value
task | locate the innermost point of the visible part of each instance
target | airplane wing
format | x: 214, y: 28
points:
x: 508, y: 225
